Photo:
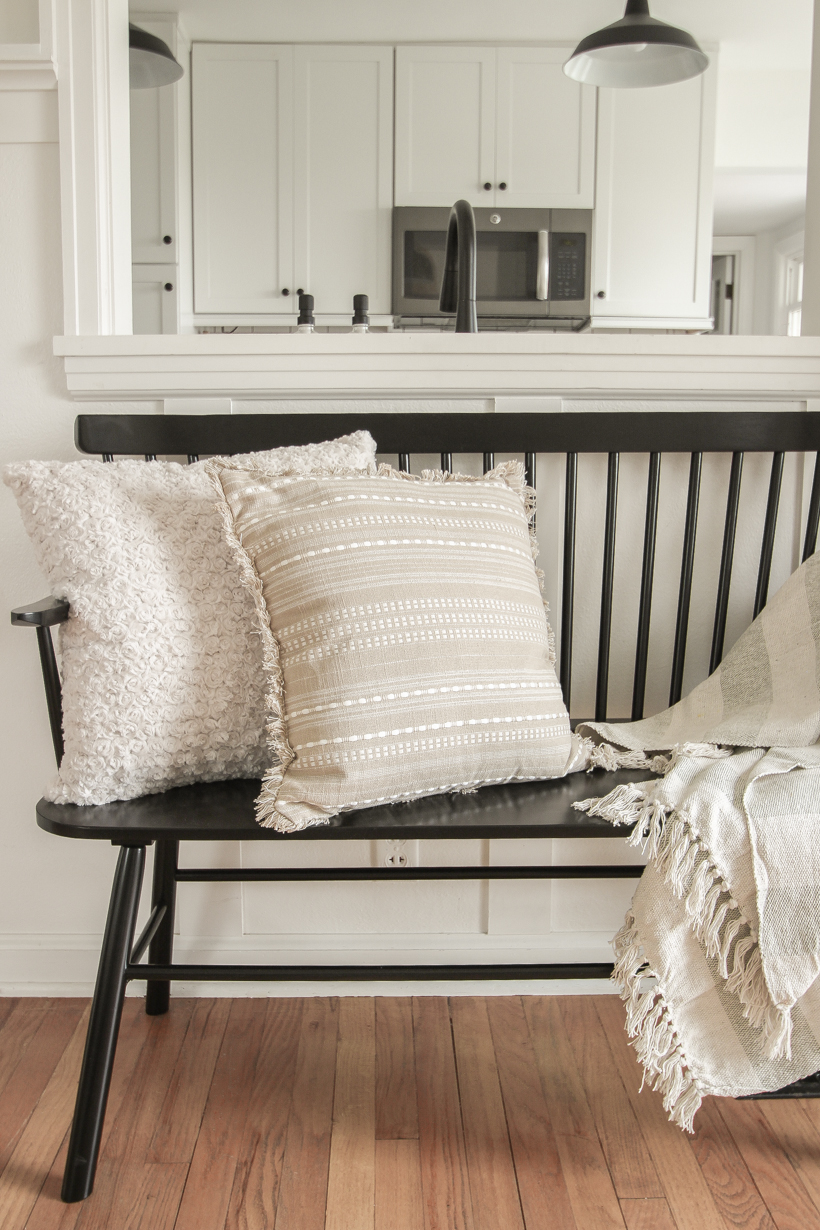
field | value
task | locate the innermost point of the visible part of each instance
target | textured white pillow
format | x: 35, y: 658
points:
x: 405, y: 635
x: 161, y: 666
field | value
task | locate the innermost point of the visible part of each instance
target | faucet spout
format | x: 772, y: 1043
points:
x: 458, y: 283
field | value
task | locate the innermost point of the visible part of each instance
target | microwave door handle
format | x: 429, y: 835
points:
x: 542, y: 281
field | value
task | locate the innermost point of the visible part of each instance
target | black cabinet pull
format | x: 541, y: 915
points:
x: 300, y: 291
x: 602, y: 294
x: 169, y: 286
x: 487, y: 187
x: 503, y: 187
x: 286, y: 291
x: 166, y: 239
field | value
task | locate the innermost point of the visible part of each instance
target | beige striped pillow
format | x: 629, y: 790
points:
x: 405, y: 636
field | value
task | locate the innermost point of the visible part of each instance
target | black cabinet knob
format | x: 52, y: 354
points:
x: 487, y: 187
x: 166, y: 239
x: 503, y: 187
x: 286, y: 291
x: 300, y: 291
x: 169, y: 286
x: 602, y: 294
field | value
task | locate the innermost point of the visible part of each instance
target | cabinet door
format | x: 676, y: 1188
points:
x: 154, y: 298
x: 652, y: 237
x: 154, y: 165
x: 242, y: 124
x: 343, y: 171
x: 445, y: 125
x: 545, y: 134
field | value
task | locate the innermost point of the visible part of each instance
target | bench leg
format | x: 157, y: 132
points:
x: 161, y: 950
x: 103, y: 1026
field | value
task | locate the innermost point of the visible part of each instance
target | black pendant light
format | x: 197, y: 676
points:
x: 151, y: 61
x: 636, y: 51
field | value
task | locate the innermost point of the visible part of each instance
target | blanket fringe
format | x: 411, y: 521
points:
x: 724, y: 932
x: 605, y: 756
x: 652, y: 1031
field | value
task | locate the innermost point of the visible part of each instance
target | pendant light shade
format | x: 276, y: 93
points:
x: 151, y: 61
x: 636, y: 51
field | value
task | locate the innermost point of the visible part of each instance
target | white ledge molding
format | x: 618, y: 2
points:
x: 397, y: 365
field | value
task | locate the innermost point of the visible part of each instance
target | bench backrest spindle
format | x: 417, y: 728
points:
x: 573, y: 434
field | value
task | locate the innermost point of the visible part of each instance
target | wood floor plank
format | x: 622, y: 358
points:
x: 49, y: 1212
x: 351, y: 1185
x: 259, y: 1169
x: 727, y: 1174
x: 204, y: 1203
x: 444, y: 1177
x: 7, y: 1006
x: 397, y: 1116
x: 651, y: 1214
x: 687, y: 1193
x: 589, y: 1183
x: 182, y: 1109
x: 776, y: 1179
x: 34, y: 1153
x: 799, y: 1139
x: 399, y: 1204
x: 542, y: 1188
x: 303, y: 1189
x: 19, y: 1028
x: 493, y: 1185
x: 630, y: 1164
x: 32, y: 1074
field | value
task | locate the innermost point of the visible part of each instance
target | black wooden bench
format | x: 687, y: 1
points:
x: 224, y: 810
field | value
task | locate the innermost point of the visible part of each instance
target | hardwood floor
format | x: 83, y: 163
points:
x: 386, y: 1114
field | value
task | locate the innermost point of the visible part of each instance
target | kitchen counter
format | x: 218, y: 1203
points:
x: 401, y: 365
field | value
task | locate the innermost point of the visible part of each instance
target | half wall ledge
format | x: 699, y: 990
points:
x: 405, y: 365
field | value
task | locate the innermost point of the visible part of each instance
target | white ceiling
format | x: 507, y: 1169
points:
x: 752, y: 33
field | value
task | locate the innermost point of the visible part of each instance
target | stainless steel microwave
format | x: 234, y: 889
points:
x: 529, y: 262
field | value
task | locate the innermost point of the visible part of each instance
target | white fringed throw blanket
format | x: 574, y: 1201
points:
x: 718, y: 958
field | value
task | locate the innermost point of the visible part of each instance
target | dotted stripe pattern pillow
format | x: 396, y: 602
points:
x: 161, y: 660
x: 405, y: 636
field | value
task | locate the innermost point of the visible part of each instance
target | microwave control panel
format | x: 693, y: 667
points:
x: 567, y: 265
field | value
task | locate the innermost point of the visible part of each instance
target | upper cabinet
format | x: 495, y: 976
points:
x: 292, y: 171
x: 652, y: 230
x: 494, y: 126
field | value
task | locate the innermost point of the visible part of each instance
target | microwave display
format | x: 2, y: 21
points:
x: 568, y: 258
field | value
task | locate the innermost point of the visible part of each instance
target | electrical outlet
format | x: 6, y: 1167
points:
x: 395, y: 853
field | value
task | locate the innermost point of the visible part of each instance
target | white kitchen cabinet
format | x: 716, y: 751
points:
x: 155, y: 298
x: 242, y: 119
x: 545, y: 131
x: 343, y: 175
x: 652, y: 230
x: 471, y: 119
x: 445, y: 125
x: 292, y: 177
x: 154, y: 227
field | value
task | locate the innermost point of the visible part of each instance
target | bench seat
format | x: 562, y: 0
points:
x: 224, y: 811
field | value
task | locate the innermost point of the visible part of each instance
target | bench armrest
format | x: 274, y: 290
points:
x: 42, y: 614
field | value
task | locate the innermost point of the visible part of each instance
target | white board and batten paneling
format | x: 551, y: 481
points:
x: 471, y: 119
x: 292, y: 175
x: 652, y: 237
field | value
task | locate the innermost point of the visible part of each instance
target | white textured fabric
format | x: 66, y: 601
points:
x: 725, y: 924
x: 160, y: 661
x: 406, y: 638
